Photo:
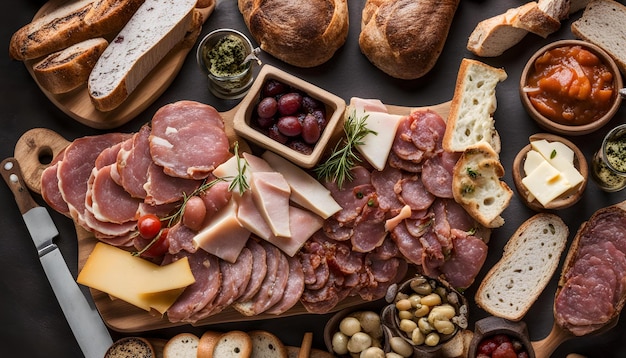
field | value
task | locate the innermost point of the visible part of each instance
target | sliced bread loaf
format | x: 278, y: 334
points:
x: 266, y: 345
x: 131, y: 347
x: 156, y: 27
x: 233, y: 344
x: 65, y: 70
x: 182, y: 345
x: 470, y: 119
x: 477, y: 187
x: 528, y: 262
x: 602, y: 24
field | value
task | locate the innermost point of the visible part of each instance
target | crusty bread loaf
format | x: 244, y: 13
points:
x: 301, y: 33
x: 182, y: 345
x: 404, y: 38
x: 470, y: 119
x: 528, y: 262
x: 533, y: 19
x: 233, y: 344
x: 156, y: 27
x: 131, y: 347
x: 602, y: 23
x: 557, y: 9
x: 65, y: 70
x: 266, y: 345
x: 70, y: 23
x: 477, y: 187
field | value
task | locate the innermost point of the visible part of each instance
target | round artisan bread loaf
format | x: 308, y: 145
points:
x: 181, y: 345
x: 528, y: 262
x: 301, y: 33
x: 233, y: 344
x: 131, y: 347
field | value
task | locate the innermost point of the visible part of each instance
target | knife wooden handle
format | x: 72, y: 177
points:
x: 12, y: 175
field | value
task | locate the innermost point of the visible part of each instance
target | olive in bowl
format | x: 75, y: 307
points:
x: 550, y: 173
x: 571, y: 87
x: 356, y: 331
x: 424, y: 318
x: 289, y: 116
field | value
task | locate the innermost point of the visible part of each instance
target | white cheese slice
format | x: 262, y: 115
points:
x: 223, y: 236
x: 133, y: 279
x: 271, y: 192
x: 376, y: 147
x: 546, y: 183
x: 532, y: 161
x: 306, y: 191
x: 561, y: 157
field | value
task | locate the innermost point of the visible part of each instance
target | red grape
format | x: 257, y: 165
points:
x: 276, y: 135
x: 273, y: 88
x: 289, y: 103
x: 267, y: 108
x: 310, y: 129
x: 289, y: 126
x: 265, y: 122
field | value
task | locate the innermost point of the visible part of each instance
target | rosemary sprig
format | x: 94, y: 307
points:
x: 239, y: 182
x: 338, y: 167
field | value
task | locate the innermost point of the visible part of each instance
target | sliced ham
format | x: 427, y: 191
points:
x: 110, y: 202
x: 188, y: 139
x: 50, y: 190
x: 133, y: 162
x: 164, y: 189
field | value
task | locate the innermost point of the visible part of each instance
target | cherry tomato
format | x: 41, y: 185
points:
x: 159, y: 247
x: 149, y: 226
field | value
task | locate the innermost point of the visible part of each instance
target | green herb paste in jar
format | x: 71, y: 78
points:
x: 615, y: 152
x: 225, y: 59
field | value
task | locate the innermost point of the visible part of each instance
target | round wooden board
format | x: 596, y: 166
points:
x: 77, y: 103
x: 117, y: 314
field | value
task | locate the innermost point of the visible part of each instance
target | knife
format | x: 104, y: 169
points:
x: 91, y: 333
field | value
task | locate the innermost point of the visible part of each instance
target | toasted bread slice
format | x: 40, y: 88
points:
x: 476, y: 185
x: 266, y: 345
x: 233, y: 344
x: 181, y: 345
x: 528, y: 262
x: 207, y: 342
x: 470, y: 119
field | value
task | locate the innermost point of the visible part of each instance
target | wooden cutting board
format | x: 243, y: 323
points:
x: 37, y: 147
x: 77, y: 103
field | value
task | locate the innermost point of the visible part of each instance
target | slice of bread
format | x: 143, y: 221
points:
x: 182, y: 345
x: 65, y: 70
x: 266, y: 345
x: 557, y: 9
x: 207, y: 343
x: 470, y: 119
x: 131, y: 347
x: 477, y: 187
x: 233, y: 344
x: 156, y: 27
x: 535, y: 20
x: 528, y: 262
x: 602, y: 24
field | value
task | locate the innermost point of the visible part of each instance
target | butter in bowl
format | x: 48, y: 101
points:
x: 550, y: 173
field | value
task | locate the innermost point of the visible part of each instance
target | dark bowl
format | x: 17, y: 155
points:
x: 491, y: 326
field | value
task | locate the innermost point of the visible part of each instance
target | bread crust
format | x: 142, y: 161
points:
x: 300, y: 33
x: 404, y: 38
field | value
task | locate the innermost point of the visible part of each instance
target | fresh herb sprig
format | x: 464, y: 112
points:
x: 239, y: 182
x: 338, y: 167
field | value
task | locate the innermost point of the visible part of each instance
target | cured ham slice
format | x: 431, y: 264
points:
x: 50, y: 190
x: 164, y: 189
x: 259, y: 270
x: 110, y: 202
x: 133, y: 162
x: 188, y: 139
x: 293, y: 289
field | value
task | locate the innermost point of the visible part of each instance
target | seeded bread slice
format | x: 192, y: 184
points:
x: 470, y: 119
x: 477, y: 187
x: 131, y: 347
x: 528, y: 262
x: 602, y: 24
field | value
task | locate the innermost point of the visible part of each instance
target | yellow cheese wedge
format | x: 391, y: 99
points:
x: 306, y: 191
x: 546, y: 183
x: 133, y: 279
x: 560, y: 157
x: 224, y: 236
x: 376, y: 147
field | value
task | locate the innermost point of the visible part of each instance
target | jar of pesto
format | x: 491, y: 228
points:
x: 223, y: 55
x: 609, y: 162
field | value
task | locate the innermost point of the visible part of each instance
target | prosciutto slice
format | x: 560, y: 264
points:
x: 133, y: 162
x: 188, y: 139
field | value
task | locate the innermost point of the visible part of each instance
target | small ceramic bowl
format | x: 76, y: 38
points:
x: 559, y: 128
x: 566, y: 199
x: 332, y: 326
x: 491, y: 326
x: 335, y: 108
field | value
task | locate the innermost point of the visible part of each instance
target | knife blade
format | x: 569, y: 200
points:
x: 91, y: 333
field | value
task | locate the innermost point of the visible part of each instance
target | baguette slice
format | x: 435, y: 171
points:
x: 602, y: 24
x: 233, y: 344
x: 206, y: 344
x: 470, y: 119
x: 156, y: 27
x: 68, y: 24
x: 266, y: 345
x: 477, y: 187
x: 181, y: 345
x: 529, y: 261
x: 65, y: 70
x: 131, y: 347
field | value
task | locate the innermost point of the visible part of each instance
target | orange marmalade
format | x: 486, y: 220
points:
x: 570, y: 85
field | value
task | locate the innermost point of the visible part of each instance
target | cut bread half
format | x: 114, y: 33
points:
x: 602, y: 24
x: 470, y: 120
x: 477, y: 187
x: 528, y: 262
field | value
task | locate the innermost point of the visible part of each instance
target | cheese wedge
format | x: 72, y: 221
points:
x: 376, y: 146
x: 560, y: 157
x: 133, y: 279
x: 306, y: 191
x: 546, y: 183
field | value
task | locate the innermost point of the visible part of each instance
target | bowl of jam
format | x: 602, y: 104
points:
x: 571, y: 87
x: 499, y: 337
x: 289, y: 116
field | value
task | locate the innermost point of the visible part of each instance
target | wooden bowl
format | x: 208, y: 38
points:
x: 491, y: 326
x: 566, y: 199
x: 335, y: 107
x: 564, y: 129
